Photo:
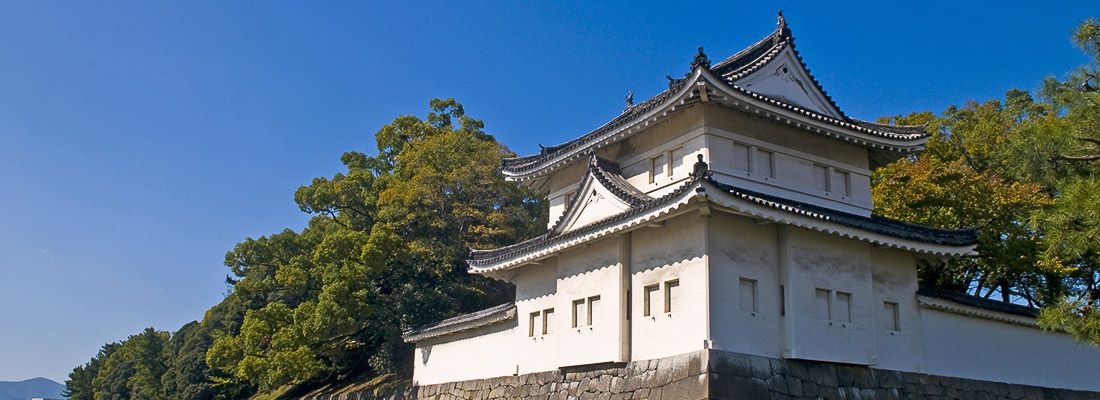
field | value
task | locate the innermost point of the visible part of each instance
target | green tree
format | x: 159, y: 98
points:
x: 1071, y: 227
x: 383, y: 253
x: 79, y: 384
x: 133, y: 371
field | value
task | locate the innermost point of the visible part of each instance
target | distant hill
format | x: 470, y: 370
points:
x: 30, y: 388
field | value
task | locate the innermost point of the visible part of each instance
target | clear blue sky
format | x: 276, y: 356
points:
x: 139, y: 141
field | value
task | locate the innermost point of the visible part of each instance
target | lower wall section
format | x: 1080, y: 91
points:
x: 712, y: 374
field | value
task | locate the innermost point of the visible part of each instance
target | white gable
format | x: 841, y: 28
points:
x: 594, y: 202
x: 783, y: 78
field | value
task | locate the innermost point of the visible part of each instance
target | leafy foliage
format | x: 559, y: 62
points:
x: 384, y: 252
x: 1024, y: 171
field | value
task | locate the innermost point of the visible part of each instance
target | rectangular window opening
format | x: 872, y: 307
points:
x: 593, y: 313
x: 650, y: 297
x: 763, y: 163
x: 672, y: 291
x: 891, y: 316
x: 821, y: 177
x: 547, y: 318
x: 657, y: 166
x: 839, y: 182
x: 675, y: 159
x: 578, y: 313
x: 740, y: 157
x: 821, y: 300
x: 534, y: 320
x: 748, y: 296
x: 843, y: 308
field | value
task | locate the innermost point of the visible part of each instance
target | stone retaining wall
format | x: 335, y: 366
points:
x: 712, y: 374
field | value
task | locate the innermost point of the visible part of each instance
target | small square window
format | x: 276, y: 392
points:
x: 672, y: 294
x: 649, y: 299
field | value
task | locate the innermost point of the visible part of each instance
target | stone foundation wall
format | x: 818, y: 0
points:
x: 712, y: 374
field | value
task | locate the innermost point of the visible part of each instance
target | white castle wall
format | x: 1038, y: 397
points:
x: 478, y: 353
x: 976, y: 348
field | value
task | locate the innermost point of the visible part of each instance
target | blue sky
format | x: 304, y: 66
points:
x: 139, y: 141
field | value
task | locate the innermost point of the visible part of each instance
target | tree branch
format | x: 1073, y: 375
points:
x: 1088, y: 158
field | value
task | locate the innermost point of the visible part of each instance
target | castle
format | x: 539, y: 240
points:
x: 730, y: 215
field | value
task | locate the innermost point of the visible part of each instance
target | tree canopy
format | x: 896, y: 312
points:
x: 384, y: 253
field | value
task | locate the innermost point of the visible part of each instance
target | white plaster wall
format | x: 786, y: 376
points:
x: 449, y: 359
x: 535, y: 291
x: 738, y: 248
x: 895, y: 280
x: 582, y: 273
x: 672, y: 251
x: 968, y: 347
x: 817, y: 260
x: 793, y: 173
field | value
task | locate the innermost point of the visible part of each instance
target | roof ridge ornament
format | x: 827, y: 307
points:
x: 700, y: 60
x: 781, y: 27
x: 629, y: 98
x: 701, y: 169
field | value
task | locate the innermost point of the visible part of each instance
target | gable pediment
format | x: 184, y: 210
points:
x: 784, y: 78
x: 601, y: 194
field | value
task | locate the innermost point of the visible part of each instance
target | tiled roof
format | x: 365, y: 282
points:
x: 978, y: 302
x: 462, y: 322
x: 732, y: 68
x: 874, y: 223
x: 632, y: 112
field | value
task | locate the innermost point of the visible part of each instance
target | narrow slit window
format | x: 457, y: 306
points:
x: 821, y: 300
x: 650, y: 298
x: 748, y: 295
x: 547, y: 319
x: 891, y: 318
x: 569, y: 198
x: 593, y: 310
x: 843, y: 309
x: 782, y: 300
x: 578, y: 313
x: 672, y: 292
x: 531, y: 329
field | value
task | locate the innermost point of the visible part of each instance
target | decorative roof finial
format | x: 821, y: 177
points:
x: 700, y: 169
x: 781, y: 23
x: 700, y: 60
x: 629, y: 98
